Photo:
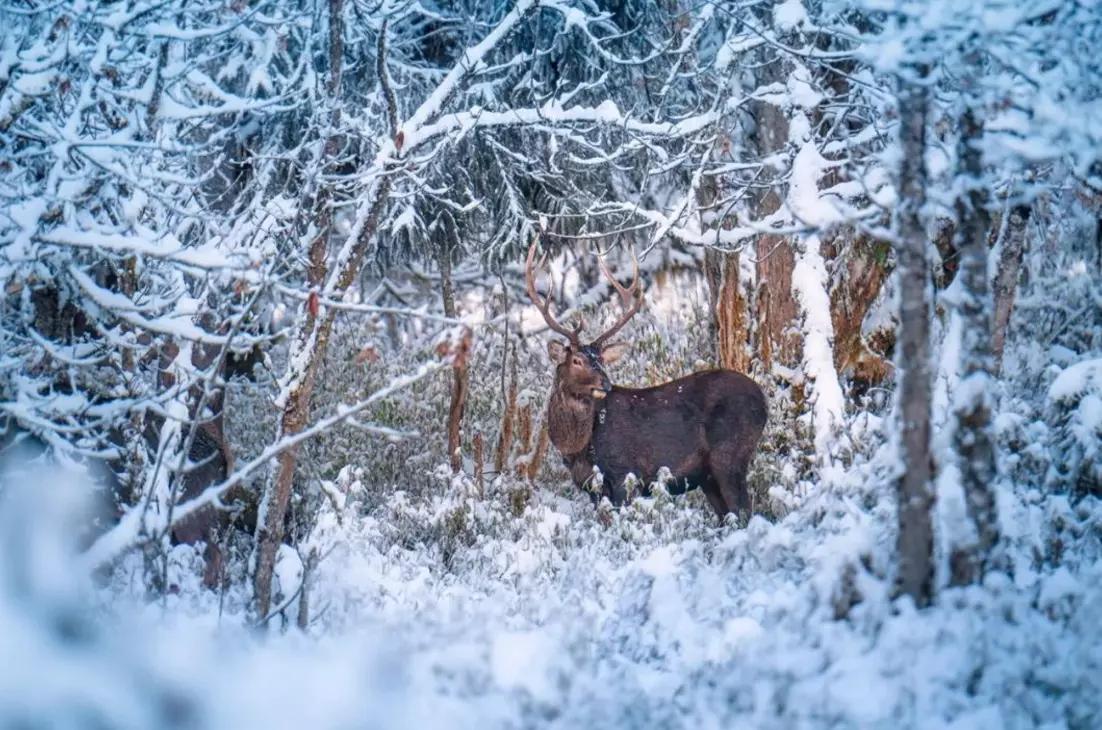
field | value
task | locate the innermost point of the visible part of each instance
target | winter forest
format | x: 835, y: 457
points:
x: 550, y: 363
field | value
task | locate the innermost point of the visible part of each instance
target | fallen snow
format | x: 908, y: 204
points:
x: 1076, y: 380
x: 551, y: 618
x: 789, y: 15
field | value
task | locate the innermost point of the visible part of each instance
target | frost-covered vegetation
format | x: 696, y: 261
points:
x: 275, y: 442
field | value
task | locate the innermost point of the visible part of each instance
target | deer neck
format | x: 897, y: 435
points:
x: 570, y: 422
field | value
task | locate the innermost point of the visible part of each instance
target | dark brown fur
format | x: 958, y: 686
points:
x: 704, y: 428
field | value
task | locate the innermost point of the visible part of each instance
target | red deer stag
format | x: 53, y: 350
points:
x: 704, y: 427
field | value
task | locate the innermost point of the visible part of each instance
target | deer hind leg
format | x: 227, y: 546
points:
x: 615, y: 488
x: 214, y: 562
x: 715, y: 498
x: 745, y: 505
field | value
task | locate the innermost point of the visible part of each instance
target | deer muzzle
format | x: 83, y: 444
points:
x: 606, y: 385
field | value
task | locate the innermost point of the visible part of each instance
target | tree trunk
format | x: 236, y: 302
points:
x: 460, y: 373
x: 811, y: 286
x: 505, y: 438
x: 524, y: 439
x: 866, y: 268
x: 916, y: 497
x: 542, y: 442
x: 730, y: 321
x: 312, y: 342
x: 777, y: 313
x: 729, y: 312
x: 309, y: 565
x: 1006, y: 281
x: 972, y: 441
x: 479, y: 463
x: 777, y: 339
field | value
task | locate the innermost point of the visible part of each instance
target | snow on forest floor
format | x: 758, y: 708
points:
x: 456, y: 613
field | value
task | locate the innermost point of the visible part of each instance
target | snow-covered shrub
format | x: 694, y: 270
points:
x: 1075, y: 419
x: 1050, y: 424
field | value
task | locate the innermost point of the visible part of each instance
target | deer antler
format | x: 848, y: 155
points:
x: 631, y: 299
x: 545, y: 305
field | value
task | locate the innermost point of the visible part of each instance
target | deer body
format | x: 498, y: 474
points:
x: 703, y: 427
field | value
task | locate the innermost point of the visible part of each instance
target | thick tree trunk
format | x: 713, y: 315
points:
x: 916, y: 497
x: 777, y: 339
x: 776, y: 310
x: 1006, y: 281
x: 866, y: 268
x: 730, y: 317
x: 772, y: 334
x: 972, y: 440
x: 730, y: 320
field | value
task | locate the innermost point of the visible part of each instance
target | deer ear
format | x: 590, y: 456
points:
x: 557, y: 351
x: 613, y: 352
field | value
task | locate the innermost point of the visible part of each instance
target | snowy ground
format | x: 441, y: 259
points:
x: 456, y: 613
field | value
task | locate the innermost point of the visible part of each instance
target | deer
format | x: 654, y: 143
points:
x: 209, y: 455
x: 704, y: 427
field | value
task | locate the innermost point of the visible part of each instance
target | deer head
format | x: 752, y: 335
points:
x: 580, y: 377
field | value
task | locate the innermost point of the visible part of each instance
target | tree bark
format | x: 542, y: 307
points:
x: 729, y: 310
x: 524, y: 438
x: 866, y: 268
x: 542, y: 442
x: 479, y: 463
x: 505, y: 438
x: 460, y: 373
x: 730, y: 320
x: 915, y: 493
x: 1006, y: 281
x: 975, y: 451
x: 777, y: 312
